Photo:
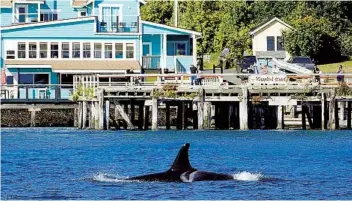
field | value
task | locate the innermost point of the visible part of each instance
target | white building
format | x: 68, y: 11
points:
x: 267, y: 39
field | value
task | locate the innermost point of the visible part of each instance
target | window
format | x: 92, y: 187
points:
x: 21, y: 53
x: 86, y: 50
x: 43, y: 47
x: 118, y: 50
x: 180, y: 48
x: 129, y: 50
x: 21, y: 14
x: 108, y: 50
x: 76, y: 50
x: 9, y: 79
x: 33, y: 79
x: 48, y: 16
x: 54, y: 50
x: 97, y: 50
x: 65, y: 50
x: 279, y: 44
x: 32, y: 50
x: 176, y: 48
x: 10, y: 54
x: 82, y: 13
x: 270, y: 43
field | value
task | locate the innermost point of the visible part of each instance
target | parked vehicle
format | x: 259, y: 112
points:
x: 247, y: 63
x: 305, y: 62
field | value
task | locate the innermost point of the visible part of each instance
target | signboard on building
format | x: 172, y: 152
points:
x: 268, y: 79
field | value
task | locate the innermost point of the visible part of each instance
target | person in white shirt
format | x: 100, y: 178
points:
x: 276, y: 70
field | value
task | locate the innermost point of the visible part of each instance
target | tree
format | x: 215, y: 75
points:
x: 314, y: 38
x: 158, y: 12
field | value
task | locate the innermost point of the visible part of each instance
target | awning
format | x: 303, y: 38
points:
x: 8, y: 3
x: 5, y: 3
x: 86, y: 66
x: 79, y: 3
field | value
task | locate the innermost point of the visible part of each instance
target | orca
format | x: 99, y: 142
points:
x: 182, y: 171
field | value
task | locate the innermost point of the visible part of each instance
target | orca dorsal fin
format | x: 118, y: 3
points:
x: 181, y: 162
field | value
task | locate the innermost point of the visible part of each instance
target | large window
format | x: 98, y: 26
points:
x: 65, y: 48
x: 176, y: 48
x: 129, y: 50
x: 108, y: 50
x: 119, y: 50
x: 110, y: 16
x: 76, y: 50
x: 33, y: 79
x: 270, y: 43
x: 48, y: 16
x: 32, y: 50
x: 54, y: 50
x: 97, y: 50
x: 86, y: 50
x: 21, y: 14
x: 279, y: 44
x: 43, y: 47
x: 21, y: 53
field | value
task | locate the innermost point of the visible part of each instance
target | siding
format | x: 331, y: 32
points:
x: 6, y: 16
x: 150, y: 29
x: 156, y: 43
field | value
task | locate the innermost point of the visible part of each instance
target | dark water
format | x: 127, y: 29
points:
x: 75, y: 164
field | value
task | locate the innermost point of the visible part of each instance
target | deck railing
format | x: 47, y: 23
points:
x: 44, y: 92
x: 151, y: 62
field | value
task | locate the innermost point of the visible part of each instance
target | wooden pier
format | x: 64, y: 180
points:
x: 171, y: 102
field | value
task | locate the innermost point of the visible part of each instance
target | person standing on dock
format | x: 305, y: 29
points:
x: 193, y: 70
x: 340, y: 76
x: 276, y: 69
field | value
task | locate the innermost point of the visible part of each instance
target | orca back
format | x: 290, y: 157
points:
x: 181, y: 162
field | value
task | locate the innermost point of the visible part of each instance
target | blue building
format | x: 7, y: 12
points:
x: 49, y: 41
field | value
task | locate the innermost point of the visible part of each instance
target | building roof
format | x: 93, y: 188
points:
x: 80, y: 65
x: 8, y: 3
x: 79, y: 3
x: 266, y: 23
x: 33, y: 24
x: 171, y: 27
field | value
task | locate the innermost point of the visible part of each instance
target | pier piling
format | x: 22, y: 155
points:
x: 84, y: 112
x: 107, y: 115
x: 154, y: 114
x: 349, y: 110
x: 244, y: 110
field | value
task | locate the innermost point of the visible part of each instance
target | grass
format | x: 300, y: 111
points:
x: 214, y: 59
x: 333, y: 67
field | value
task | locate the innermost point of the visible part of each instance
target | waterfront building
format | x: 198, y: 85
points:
x: 48, y: 42
x: 267, y: 40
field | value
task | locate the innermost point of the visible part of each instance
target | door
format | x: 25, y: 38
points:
x: 21, y: 14
x: 147, y: 49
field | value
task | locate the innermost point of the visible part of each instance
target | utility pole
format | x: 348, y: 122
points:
x: 176, y: 13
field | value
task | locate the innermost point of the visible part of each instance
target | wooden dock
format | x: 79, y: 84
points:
x: 264, y: 102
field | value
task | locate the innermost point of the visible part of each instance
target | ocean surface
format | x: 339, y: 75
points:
x: 61, y: 163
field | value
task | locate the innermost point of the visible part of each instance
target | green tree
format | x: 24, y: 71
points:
x: 157, y: 11
x: 314, y: 38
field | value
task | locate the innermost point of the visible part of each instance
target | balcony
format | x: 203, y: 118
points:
x: 132, y: 26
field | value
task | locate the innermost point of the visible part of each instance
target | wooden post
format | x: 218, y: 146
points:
x: 140, y: 115
x: 96, y: 115
x: 154, y: 114
x: 337, y: 120
x: 230, y: 116
x: 332, y: 116
x: 167, y: 116
x: 84, y: 111
x: 184, y: 114
x: 116, y: 117
x: 342, y: 110
x: 101, y: 108
x: 146, y: 117
x: 349, y: 110
x: 279, y: 117
x: 323, y: 111
x: 207, y: 115
x: 79, y: 115
x: 244, y: 110
x: 91, y: 115
x: 179, y: 116
x: 107, y: 114
x: 200, y: 110
x: 132, y: 114
x: 125, y: 107
x: 33, y: 113
x: 304, y: 126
